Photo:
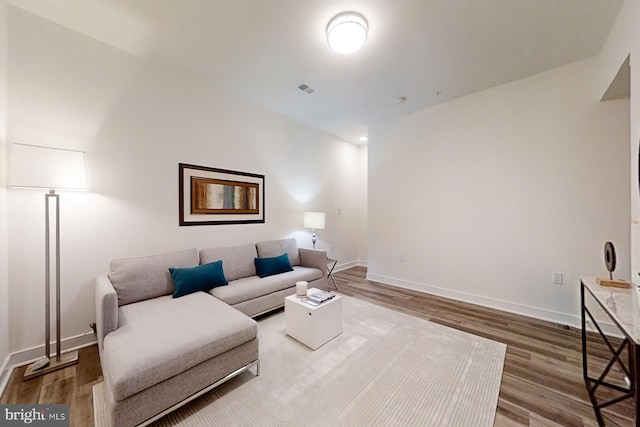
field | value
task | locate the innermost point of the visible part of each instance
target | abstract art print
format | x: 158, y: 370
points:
x: 210, y: 196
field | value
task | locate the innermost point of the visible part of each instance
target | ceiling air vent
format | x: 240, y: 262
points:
x: 306, y: 88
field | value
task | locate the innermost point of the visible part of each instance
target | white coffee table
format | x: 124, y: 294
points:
x: 313, y: 326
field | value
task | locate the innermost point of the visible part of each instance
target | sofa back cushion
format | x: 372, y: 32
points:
x: 274, y: 248
x: 237, y: 261
x: 142, y: 278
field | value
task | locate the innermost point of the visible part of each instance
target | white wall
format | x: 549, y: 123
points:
x: 137, y: 122
x: 362, y: 230
x: 4, y: 278
x: 487, y: 195
x: 624, y: 39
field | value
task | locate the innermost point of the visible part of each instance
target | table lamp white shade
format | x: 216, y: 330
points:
x: 47, y: 168
x: 314, y: 220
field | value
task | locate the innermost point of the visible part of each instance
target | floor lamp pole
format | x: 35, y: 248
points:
x: 70, y: 358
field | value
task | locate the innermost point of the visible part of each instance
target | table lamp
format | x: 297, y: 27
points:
x: 52, y: 169
x: 314, y: 221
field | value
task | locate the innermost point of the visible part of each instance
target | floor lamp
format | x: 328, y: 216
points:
x: 51, y: 169
x: 314, y: 221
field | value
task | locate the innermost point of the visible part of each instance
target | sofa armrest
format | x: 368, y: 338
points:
x: 314, y: 258
x: 106, y: 308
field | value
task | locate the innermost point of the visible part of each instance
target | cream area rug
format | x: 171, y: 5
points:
x: 386, y: 369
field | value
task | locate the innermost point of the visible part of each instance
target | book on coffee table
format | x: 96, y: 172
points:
x: 321, y: 296
x: 311, y: 302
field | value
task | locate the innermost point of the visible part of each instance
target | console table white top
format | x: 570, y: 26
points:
x: 621, y: 304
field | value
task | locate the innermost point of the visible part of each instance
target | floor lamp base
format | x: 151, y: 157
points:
x: 67, y: 359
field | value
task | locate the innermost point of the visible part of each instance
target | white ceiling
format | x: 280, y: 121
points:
x: 429, y: 51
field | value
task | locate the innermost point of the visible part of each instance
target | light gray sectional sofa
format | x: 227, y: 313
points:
x: 158, y: 352
x: 253, y: 295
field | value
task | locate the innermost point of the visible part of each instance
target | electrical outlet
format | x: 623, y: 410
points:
x: 401, y: 258
x: 331, y: 249
x: 557, y: 278
x: 339, y: 211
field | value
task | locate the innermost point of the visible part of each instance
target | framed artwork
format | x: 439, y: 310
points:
x: 210, y: 196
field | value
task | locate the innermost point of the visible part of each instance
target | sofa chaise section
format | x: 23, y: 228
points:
x: 158, y: 352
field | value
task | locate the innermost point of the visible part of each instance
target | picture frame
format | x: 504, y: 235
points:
x: 212, y: 196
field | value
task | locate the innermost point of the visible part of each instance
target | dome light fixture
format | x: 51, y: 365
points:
x: 347, y: 32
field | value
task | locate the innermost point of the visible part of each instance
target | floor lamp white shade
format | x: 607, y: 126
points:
x: 52, y: 169
x: 314, y: 221
x: 47, y: 168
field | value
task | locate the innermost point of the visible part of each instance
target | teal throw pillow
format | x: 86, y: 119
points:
x: 201, y: 278
x: 270, y: 266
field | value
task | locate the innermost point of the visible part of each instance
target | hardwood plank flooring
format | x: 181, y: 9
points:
x: 541, y: 385
x: 542, y: 381
x: 71, y: 386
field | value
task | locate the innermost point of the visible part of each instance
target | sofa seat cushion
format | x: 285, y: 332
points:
x: 254, y: 287
x: 163, y: 337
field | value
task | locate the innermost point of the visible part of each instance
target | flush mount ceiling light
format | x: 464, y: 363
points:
x: 347, y: 32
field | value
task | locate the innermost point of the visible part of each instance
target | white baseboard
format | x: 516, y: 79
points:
x: 26, y: 356
x: 608, y: 327
x: 525, y: 310
x: 347, y: 265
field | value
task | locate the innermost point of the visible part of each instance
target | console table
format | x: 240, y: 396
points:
x: 621, y: 306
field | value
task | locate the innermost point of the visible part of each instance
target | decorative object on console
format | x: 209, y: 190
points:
x: 209, y: 196
x: 347, y: 32
x: 610, y: 258
x: 610, y: 263
x: 51, y: 169
x: 314, y: 221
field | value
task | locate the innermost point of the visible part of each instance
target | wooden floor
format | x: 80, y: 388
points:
x: 541, y: 385
x: 542, y: 381
x: 71, y: 386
